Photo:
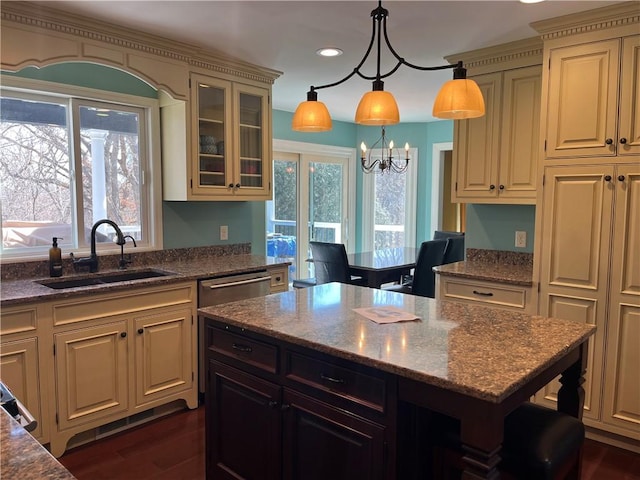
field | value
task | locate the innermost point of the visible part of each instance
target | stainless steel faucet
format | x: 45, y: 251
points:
x: 92, y: 260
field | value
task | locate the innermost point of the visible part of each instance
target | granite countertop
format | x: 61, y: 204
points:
x: 23, y: 457
x: 475, y: 350
x: 493, y: 272
x: 500, y: 266
x: 14, y: 292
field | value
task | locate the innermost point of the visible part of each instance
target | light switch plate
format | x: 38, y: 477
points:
x: 521, y: 239
x: 224, y: 232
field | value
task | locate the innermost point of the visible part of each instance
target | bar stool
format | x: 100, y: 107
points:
x: 539, y: 443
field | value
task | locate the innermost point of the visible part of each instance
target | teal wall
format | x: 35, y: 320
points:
x: 188, y: 224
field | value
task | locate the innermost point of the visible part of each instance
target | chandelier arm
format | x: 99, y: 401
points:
x: 356, y: 70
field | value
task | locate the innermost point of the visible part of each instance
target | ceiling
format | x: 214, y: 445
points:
x: 284, y: 36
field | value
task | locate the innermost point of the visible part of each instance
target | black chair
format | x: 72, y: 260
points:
x: 331, y: 264
x: 455, y: 250
x: 440, y: 234
x: 539, y: 444
x: 423, y: 283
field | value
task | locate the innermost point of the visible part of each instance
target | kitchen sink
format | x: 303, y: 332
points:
x: 104, y: 278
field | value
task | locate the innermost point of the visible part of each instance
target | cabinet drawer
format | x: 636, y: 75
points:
x: 279, y: 280
x: 344, y: 382
x: 253, y: 352
x: 16, y: 321
x: 507, y: 296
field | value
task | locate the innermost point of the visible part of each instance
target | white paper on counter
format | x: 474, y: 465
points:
x: 386, y: 314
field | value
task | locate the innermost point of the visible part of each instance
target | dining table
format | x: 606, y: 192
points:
x: 383, y: 265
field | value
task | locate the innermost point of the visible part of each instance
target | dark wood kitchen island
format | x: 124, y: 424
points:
x: 301, y: 386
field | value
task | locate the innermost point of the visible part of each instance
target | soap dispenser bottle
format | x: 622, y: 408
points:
x: 55, y: 259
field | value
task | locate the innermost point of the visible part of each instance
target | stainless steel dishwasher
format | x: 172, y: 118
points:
x: 226, y: 289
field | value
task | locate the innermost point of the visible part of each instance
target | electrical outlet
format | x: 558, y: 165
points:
x: 224, y: 232
x: 521, y: 239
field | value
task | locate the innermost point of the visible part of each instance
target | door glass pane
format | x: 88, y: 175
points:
x: 211, y: 129
x: 389, y: 212
x: 110, y: 158
x: 36, y: 194
x: 250, y: 140
x: 282, y: 213
x: 325, y: 201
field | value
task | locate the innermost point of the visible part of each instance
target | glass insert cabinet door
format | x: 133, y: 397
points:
x: 212, y: 100
x: 232, y: 142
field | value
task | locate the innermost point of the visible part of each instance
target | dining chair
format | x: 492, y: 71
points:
x: 440, y: 234
x: 331, y: 264
x: 455, y: 250
x: 431, y: 253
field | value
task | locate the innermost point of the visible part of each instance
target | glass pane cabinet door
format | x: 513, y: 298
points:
x: 213, y: 128
x: 251, y: 156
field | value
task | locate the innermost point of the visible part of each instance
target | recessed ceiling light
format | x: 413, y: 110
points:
x: 329, y: 52
x: 531, y: 1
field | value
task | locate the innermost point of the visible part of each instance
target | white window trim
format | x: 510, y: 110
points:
x: 410, y: 199
x: 152, y: 173
x: 304, y: 148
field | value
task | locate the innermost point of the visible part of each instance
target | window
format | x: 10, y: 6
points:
x: 67, y: 162
x: 389, y: 206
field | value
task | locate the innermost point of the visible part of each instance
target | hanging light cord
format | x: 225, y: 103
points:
x: 379, y: 16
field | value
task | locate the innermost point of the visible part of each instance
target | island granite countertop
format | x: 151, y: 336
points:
x: 479, y: 351
x: 23, y: 457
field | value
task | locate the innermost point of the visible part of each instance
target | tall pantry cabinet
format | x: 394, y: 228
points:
x: 587, y: 249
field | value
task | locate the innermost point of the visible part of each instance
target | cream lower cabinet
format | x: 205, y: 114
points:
x: 495, y: 156
x: 20, y: 363
x: 590, y: 273
x: 279, y: 278
x: 137, y: 353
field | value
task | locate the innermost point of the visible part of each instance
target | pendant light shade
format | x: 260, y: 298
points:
x: 377, y: 108
x: 459, y: 99
x: 311, y: 116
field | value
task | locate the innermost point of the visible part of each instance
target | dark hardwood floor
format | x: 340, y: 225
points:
x: 172, y: 448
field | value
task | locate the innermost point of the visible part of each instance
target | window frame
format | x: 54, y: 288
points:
x: 150, y: 160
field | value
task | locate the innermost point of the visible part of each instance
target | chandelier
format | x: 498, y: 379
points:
x: 458, y: 98
x: 386, y: 162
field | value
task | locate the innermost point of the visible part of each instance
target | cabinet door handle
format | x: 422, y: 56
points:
x: 484, y: 294
x: 278, y: 279
x: 231, y: 185
x: 273, y: 404
x: 237, y: 185
x: 623, y: 140
x: 285, y: 406
x: 492, y: 187
x: 123, y: 334
x: 609, y: 141
x: 328, y: 378
x: 242, y: 348
x: 621, y: 178
x: 141, y: 331
x: 607, y: 178
x: 501, y: 187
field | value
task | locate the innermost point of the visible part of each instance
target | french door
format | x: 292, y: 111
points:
x: 313, y: 199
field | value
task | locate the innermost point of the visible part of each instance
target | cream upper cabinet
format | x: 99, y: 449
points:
x: 495, y: 156
x: 594, y: 99
x: 591, y: 273
x: 231, y: 142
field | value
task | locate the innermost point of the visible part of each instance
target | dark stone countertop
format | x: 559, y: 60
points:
x: 492, y: 266
x: 484, y: 352
x: 22, y: 457
x: 22, y: 291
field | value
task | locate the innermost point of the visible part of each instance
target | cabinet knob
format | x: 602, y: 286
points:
x: 273, y: 404
x: 231, y: 185
x: 623, y: 140
x: 492, y: 187
x: 607, y: 178
x: 123, y: 334
x: 141, y: 331
x: 609, y: 141
x: 621, y: 178
x: 501, y: 187
x: 278, y: 279
x: 237, y: 185
x: 285, y: 407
